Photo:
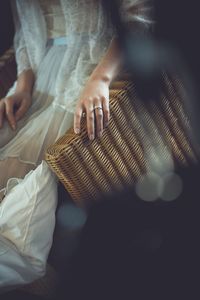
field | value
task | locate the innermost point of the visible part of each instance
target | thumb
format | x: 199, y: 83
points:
x: 21, y: 111
x: 9, y: 109
x: 2, y: 109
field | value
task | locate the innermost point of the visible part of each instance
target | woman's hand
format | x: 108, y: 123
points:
x: 94, y: 102
x: 14, y: 107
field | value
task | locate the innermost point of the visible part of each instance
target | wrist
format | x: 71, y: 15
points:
x: 26, y: 90
x: 104, y: 78
x: 25, y: 82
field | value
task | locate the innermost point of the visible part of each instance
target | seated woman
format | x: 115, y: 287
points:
x: 67, y: 56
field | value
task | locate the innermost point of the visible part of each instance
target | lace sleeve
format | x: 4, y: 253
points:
x: 21, y: 54
x: 137, y: 14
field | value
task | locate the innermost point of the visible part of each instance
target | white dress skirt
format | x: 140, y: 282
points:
x: 21, y: 150
x: 28, y: 187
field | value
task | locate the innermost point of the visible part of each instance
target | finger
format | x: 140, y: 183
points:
x: 2, y: 109
x: 9, y: 107
x: 106, y: 111
x: 21, y: 111
x: 98, y: 117
x: 90, y: 122
x: 77, y: 119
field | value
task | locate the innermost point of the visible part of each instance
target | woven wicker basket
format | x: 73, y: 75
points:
x: 88, y: 169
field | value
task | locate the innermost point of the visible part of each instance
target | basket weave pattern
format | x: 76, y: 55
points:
x: 88, y: 169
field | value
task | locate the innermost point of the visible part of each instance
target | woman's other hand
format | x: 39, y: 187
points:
x: 94, y: 102
x: 14, y: 107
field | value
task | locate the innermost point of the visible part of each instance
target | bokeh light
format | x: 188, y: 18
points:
x: 71, y: 217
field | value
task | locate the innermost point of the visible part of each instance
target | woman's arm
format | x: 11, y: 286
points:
x: 25, y: 81
x: 96, y: 93
x: 110, y: 65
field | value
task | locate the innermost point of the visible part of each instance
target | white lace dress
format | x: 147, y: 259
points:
x: 28, y: 189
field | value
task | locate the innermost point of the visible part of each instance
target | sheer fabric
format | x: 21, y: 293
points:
x: 54, y: 18
x: 23, y: 149
x: 95, y: 32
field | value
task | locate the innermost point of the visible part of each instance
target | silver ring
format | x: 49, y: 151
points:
x: 98, y: 107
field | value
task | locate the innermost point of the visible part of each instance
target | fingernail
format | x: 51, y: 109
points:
x: 13, y: 127
x: 91, y: 137
x: 77, y: 130
x: 106, y: 124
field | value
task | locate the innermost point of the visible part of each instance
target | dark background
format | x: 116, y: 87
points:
x: 178, y: 22
x: 6, y: 26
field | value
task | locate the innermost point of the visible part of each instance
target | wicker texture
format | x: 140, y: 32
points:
x: 88, y: 169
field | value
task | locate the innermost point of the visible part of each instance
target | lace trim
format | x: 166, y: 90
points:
x: 12, y: 182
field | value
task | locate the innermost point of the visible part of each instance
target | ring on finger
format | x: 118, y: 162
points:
x: 98, y: 107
